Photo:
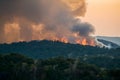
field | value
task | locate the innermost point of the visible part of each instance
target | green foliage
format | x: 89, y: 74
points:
x: 47, y: 49
x: 15, y: 67
x: 19, y: 67
x: 102, y: 61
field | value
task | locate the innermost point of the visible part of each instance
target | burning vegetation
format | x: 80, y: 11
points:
x: 57, y: 20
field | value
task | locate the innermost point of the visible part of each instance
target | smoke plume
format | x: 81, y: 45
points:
x: 25, y: 20
x: 83, y: 29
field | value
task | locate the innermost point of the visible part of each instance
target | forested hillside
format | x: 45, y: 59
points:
x: 47, y: 49
x: 19, y: 67
x: 102, y: 57
x: 53, y: 60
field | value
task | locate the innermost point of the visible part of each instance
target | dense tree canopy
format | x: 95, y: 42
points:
x: 19, y: 67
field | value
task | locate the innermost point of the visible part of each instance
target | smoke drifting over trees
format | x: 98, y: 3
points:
x: 25, y: 20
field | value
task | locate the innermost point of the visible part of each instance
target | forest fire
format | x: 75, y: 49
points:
x: 56, y: 20
x: 83, y: 41
x: 63, y: 39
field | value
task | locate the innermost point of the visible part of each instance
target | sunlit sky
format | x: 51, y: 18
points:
x: 105, y: 16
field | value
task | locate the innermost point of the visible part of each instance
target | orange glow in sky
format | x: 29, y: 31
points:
x: 58, y: 20
x: 105, y: 16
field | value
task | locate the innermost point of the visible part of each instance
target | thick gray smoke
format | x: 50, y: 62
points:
x: 41, y: 19
x: 83, y: 29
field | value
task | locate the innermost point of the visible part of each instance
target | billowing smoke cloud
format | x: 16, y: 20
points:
x: 42, y: 19
x: 83, y: 29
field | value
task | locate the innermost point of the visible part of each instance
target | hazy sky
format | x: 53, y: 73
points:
x: 105, y: 16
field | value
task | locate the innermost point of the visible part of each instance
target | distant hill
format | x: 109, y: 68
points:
x: 49, y: 49
x: 115, y: 40
x: 108, y: 44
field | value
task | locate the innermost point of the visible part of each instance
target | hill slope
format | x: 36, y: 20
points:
x: 108, y: 44
x: 115, y: 40
x: 48, y: 49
